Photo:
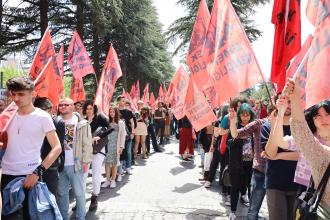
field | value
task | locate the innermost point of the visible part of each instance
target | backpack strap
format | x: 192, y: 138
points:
x: 315, y: 200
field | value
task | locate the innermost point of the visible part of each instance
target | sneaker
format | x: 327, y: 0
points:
x: 113, y: 184
x: 105, y: 184
x: 232, y: 216
x: 119, y: 178
x: 129, y: 171
x: 207, y: 184
x: 244, y: 199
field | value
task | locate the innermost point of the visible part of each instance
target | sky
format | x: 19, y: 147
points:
x: 168, y: 12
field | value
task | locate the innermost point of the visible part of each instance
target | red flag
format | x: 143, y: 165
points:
x: 133, y: 103
x: 178, y: 89
x: 45, y: 51
x: 196, y: 107
x: 152, y: 101
x: 287, y: 38
x: 232, y: 65
x: 318, y: 64
x: 195, y: 60
x: 45, y: 86
x: 78, y: 58
x: 77, y: 92
x: 110, y: 74
x: 145, y: 97
x: 137, y: 87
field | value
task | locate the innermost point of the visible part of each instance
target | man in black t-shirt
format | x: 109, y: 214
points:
x: 128, y: 116
x: 159, y: 117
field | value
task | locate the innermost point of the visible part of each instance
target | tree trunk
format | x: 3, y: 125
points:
x: 43, y: 7
x: 80, y: 18
x: 1, y: 9
x: 96, y: 53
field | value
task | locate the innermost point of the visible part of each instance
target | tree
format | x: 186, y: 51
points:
x: 183, y: 27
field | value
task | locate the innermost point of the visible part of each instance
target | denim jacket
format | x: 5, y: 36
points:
x: 42, y: 204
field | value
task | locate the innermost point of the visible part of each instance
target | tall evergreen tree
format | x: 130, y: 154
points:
x: 182, y: 28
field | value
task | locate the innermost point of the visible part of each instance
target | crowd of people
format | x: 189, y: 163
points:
x: 74, y: 137
x: 262, y: 150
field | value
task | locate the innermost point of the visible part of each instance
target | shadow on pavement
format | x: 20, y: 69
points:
x: 177, y: 170
x: 205, y: 214
x: 186, y: 188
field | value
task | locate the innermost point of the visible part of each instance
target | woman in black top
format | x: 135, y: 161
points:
x: 240, y: 157
x: 96, y: 121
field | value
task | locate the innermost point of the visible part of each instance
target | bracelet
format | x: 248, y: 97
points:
x: 39, y: 170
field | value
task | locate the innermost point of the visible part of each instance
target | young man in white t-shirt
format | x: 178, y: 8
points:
x: 26, y: 133
x: 78, y: 156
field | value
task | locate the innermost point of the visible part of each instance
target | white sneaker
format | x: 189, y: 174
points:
x: 207, y: 184
x: 105, y: 184
x: 245, y: 199
x: 232, y: 216
x: 119, y: 178
x: 129, y: 171
x: 113, y: 184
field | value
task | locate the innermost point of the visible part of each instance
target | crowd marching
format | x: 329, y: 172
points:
x: 279, y: 150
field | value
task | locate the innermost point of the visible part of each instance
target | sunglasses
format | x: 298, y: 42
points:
x: 63, y: 105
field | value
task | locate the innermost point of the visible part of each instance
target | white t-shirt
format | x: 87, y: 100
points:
x: 26, y: 134
x: 69, y: 140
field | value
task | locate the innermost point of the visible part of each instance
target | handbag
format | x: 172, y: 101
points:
x: 226, y: 177
x: 102, y: 142
x: 308, y: 201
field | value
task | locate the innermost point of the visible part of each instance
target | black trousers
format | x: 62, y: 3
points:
x: 240, y: 182
x: 152, y: 135
x: 5, y: 179
x: 50, y: 177
x: 214, y: 166
x: 160, y: 128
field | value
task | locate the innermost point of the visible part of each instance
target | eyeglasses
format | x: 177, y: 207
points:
x: 63, y: 105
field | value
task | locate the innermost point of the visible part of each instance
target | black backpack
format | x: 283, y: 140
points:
x: 46, y: 148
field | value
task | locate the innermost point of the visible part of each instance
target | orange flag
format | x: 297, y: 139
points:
x: 45, y: 86
x: 78, y: 58
x: 160, y: 94
x: 152, y: 101
x: 145, y: 97
x: 232, y: 64
x: 317, y: 11
x: 318, y: 64
x: 196, y: 107
x: 45, y: 51
x: 164, y: 91
x: 178, y: 89
x: 137, y: 90
x: 133, y: 91
x: 110, y: 74
x: 77, y: 91
x: 287, y: 38
x: 6, y: 116
x: 195, y: 60
x: 298, y: 68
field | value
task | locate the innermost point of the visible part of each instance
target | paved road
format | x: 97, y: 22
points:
x: 162, y: 187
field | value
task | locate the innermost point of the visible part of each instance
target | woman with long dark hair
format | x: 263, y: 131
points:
x: 240, y: 157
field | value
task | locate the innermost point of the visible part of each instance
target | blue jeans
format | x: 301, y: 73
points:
x: 75, y: 179
x: 258, y: 192
x: 128, y: 148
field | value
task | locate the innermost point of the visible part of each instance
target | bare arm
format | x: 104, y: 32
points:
x: 293, y: 156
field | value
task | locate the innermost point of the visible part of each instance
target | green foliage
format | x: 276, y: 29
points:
x: 131, y: 26
x: 182, y: 28
x: 259, y: 92
x: 10, y: 72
